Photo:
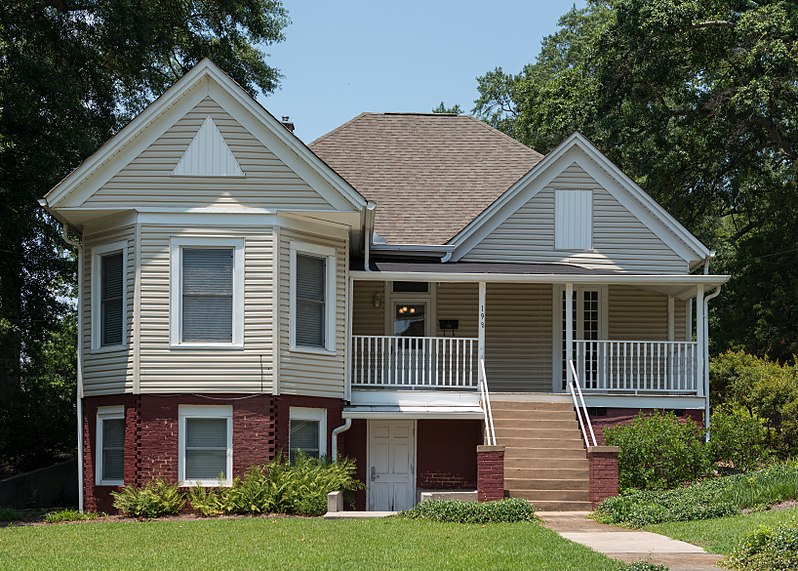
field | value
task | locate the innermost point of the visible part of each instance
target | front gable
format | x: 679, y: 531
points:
x: 620, y: 229
x: 140, y: 167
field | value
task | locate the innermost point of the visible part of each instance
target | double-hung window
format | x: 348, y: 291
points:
x: 308, y: 432
x: 312, y: 297
x: 110, y: 446
x: 205, y: 436
x: 207, y: 292
x: 108, y: 280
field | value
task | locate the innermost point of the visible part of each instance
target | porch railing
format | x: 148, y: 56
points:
x: 414, y: 362
x: 487, y: 411
x: 637, y: 366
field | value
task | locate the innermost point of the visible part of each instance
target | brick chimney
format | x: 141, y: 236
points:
x: 287, y: 123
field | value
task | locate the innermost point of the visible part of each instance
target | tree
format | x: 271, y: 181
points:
x: 442, y: 108
x: 72, y: 72
x: 698, y: 102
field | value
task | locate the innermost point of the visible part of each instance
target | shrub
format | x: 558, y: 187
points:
x: 9, y: 514
x: 714, y: 497
x: 772, y: 549
x: 156, y: 499
x: 71, y: 515
x: 279, y: 487
x: 502, y: 511
x: 738, y: 439
x: 658, y: 451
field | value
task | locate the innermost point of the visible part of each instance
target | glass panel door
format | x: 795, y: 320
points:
x: 411, y: 358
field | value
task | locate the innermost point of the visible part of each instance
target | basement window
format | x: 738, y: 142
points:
x: 205, y: 437
x: 110, y: 446
x: 307, y: 433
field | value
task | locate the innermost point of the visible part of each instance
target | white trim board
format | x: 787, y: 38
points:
x: 577, y: 149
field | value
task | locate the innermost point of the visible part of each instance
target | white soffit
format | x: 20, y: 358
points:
x: 208, y: 154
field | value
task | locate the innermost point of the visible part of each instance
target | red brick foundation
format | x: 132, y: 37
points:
x: 490, y: 473
x: 260, y: 431
x: 603, y: 471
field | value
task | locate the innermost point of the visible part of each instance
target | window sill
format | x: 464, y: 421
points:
x: 110, y: 348
x: 118, y: 483
x: 217, y: 346
x: 312, y: 350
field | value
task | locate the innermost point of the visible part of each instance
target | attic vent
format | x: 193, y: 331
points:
x: 208, y: 154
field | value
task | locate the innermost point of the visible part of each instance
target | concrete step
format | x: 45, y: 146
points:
x: 565, y: 484
x: 533, y: 415
x: 527, y: 405
x: 524, y: 453
x: 566, y: 432
x: 521, y: 442
x: 551, y: 495
x: 535, y: 423
x: 556, y: 473
x: 555, y: 463
x: 561, y: 506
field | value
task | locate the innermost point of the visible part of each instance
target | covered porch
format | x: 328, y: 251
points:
x: 427, y: 327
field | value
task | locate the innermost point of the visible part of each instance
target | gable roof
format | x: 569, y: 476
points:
x: 606, y: 173
x: 203, y: 79
x: 429, y: 173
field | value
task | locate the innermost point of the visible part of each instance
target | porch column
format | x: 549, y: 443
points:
x: 481, y: 325
x: 569, y: 328
x: 699, y: 326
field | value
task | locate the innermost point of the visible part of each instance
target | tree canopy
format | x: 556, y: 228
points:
x: 697, y: 100
x: 72, y: 72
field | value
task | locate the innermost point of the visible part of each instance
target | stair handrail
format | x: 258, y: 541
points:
x: 484, y: 394
x: 580, y: 407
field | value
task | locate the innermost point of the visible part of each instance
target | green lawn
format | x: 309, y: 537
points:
x: 293, y: 543
x: 722, y: 535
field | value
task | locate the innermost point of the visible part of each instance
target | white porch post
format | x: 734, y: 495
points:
x: 481, y: 325
x: 699, y: 326
x: 569, y: 328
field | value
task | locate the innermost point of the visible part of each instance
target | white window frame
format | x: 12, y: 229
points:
x: 176, y: 247
x: 314, y: 415
x: 104, y: 413
x: 562, y: 234
x: 97, y: 253
x: 188, y: 411
x: 330, y: 299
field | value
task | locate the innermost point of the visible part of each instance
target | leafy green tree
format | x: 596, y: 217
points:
x: 72, y: 72
x: 698, y: 102
x: 442, y: 108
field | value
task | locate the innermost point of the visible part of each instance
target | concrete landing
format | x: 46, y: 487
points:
x: 357, y: 515
x: 630, y: 545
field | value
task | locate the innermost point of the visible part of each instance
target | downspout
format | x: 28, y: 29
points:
x: 368, y: 229
x: 705, y: 349
x: 336, y: 431
x: 79, y: 391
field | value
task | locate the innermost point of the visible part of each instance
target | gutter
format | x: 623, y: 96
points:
x: 79, y: 392
x: 368, y: 230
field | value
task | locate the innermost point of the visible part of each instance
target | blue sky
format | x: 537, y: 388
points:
x: 342, y: 58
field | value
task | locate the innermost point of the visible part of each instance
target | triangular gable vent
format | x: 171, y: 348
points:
x: 208, y: 154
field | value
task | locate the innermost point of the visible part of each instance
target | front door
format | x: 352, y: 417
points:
x: 392, y: 465
x: 410, y: 354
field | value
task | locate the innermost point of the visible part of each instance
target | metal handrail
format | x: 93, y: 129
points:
x: 484, y: 394
x: 580, y: 407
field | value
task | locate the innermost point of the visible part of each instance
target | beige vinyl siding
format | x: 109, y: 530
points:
x: 637, y: 315
x: 108, y: 372
x: 168, y: 370
x: 367, y: 319
x: 303, y: 372
x: 680, y: 320
x: 620, y: 240
x: 458, y: 301
x: 518, y: 337
x: 148, y: 181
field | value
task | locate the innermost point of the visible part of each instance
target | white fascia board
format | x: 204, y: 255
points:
x: 204, y: 79
x: 420, y: 413
x: 629, y: 279
x: 667, y: 228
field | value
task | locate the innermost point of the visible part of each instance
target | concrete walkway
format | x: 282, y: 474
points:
x: 628, y: 545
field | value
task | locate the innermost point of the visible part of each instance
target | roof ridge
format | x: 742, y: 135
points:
x: 339, y: 128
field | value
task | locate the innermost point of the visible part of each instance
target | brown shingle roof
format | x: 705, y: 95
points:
x: 430, y: 174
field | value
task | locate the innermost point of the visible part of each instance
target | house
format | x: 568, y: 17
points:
x: 419, y: 292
